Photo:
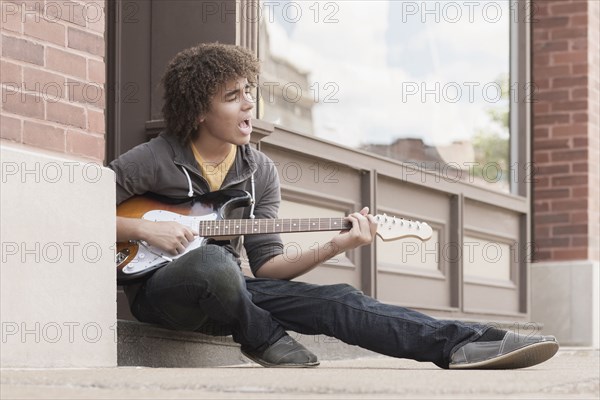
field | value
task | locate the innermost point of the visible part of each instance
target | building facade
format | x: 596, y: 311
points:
x: 80, y: 85
x: 566, y: 138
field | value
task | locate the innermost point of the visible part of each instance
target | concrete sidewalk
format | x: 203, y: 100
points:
x: 572, y: 373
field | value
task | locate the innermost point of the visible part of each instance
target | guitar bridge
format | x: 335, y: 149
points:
x: 121, y: 256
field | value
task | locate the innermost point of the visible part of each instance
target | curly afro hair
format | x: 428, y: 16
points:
x: 194, y: 76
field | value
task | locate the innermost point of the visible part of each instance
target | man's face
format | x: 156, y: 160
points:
x: 229, y: 116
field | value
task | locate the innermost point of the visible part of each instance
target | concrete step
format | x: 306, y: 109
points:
x: 141, y: 344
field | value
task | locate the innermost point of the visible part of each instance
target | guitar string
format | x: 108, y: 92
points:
x: 285, y: 225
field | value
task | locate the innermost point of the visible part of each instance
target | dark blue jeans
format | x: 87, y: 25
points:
x: 205, y: 291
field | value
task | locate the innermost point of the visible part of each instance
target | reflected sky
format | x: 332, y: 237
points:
x: 397, y: 69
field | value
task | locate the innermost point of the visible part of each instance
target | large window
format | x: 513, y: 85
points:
x: 425, y: 82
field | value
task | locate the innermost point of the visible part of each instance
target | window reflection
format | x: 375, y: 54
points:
x: 425, y: 82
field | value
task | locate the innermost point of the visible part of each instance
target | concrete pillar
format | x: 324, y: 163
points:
x: 57, y: 279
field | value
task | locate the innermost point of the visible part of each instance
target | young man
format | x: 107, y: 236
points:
x: 208, y: 110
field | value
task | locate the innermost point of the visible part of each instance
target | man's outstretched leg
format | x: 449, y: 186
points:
x: 344, y: 312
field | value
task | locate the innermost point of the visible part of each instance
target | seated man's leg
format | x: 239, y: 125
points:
x: 346, y: 313
x: 205, y: 291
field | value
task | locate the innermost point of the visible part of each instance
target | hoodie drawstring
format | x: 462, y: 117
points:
x: 191, y: 192
x: 253, y: 201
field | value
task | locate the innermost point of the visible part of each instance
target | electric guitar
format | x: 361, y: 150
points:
x: 208, y: 214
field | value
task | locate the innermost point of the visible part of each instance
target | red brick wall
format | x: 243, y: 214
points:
x: 53, y: 75
x: 594, y: 127
x: 565, y: 71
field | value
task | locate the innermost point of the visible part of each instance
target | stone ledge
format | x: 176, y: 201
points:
x: 141, y: 344
x: 147, y: 345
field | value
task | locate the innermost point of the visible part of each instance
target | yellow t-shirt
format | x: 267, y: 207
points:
x: 215, y: 173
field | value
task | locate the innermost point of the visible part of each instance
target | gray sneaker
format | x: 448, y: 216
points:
x: 513, y: 351
x: 285, y: 352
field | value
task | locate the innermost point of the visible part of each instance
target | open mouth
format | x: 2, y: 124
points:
x: 245, y: 126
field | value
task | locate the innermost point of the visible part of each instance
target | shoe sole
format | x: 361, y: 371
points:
x: 521, y: 358
x: 269, y: 365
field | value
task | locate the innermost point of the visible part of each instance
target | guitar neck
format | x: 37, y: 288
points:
x: 234, y: 227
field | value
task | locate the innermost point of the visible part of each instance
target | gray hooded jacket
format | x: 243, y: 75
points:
x: 165, y: 167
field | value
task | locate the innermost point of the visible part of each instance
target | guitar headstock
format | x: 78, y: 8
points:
x: 392, y: 228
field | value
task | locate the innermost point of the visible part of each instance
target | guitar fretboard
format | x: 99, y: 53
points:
x: 229, y: 227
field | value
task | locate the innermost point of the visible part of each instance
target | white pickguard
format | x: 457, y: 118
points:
x: 149, y: 256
